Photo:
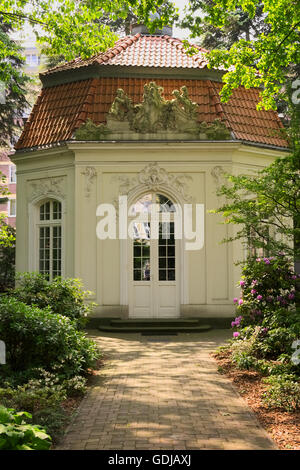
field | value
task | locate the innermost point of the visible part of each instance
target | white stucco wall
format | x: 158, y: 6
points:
x: 83, y: 175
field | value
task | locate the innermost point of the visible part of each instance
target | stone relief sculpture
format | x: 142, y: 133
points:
x: 183, y: 111
x: 53, y: 186
x: 173, y: 119
x: 122, y: 106
x: 149, y: 115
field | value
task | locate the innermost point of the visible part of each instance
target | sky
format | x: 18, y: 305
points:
x: 28, y: 39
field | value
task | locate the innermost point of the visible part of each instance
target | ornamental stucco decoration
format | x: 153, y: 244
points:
x: 217, y: 173
x: 48, y: 187
x: 89, y: 174
x: 154, y: 178
x: 166, y: 119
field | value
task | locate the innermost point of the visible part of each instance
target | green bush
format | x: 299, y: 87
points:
x: 64, y: 296
x: 38, y: 338
x: 244, y: 360
x: 16, y: 434
x: 284, y: 392
x: 43, y: 397
x: 274, y: 342
x: 7, y: 257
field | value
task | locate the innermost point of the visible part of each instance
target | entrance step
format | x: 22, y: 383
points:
x: 154, y: 326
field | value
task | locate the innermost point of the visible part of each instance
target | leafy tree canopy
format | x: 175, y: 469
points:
x: 71, y: 28
x: 259, y: 58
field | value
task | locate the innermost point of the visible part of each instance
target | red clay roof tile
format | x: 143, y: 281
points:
x: 61, y: 109
x: 142, y: 51
x: 58, y: 113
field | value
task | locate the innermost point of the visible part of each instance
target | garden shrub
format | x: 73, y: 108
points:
x: 267, y: 327
x: 43, y: 397
x: 39, y: 338
x: 268, y: 285
x: 64, y: 296
x: 284, y: 392
x: 17, y: 434
x: 7, y: 257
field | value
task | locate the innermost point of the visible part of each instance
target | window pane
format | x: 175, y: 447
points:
x: 166, y: 205
x: 141, y: 252
x: 143, y: 205
x: 45, y: 211
x: 162, y: 275
x: 56, y: 210
x: 12, y: 208
x: 12, y: 172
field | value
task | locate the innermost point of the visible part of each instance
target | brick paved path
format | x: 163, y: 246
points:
x: 163, y: 393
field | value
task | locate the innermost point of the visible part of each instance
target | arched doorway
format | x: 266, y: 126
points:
x: 154, y: 258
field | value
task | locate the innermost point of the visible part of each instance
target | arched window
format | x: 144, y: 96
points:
x: 50, y: 239
x: 143, y: 205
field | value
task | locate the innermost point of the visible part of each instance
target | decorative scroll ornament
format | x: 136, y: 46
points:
x: 90, y: 174
x: 155, y: 178
x: 48, y: 187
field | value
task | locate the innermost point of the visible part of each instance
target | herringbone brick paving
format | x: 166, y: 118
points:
x: 163, y: 393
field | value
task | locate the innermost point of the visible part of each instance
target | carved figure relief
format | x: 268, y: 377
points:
x: 154, y: 115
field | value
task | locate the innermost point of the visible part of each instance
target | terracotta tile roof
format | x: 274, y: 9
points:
x: 141, y: 51
x: 61, y: 109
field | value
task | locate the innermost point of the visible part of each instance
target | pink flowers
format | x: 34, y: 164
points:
x: 237, y: 322
x: 253, y: 291
x: 241, y: 302
x: 259, y: 297
x: 242, y: 283
x: 236, y: 334
x: 235, y: 300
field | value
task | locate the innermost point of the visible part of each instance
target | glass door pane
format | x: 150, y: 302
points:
x: 141, y: 252
x: 166, y: 252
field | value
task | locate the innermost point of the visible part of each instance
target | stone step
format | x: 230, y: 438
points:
x: 143, y: 322
x: 154, y: 329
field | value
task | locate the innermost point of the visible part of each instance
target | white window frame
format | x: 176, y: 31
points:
x: 12, y: 167
x: 9, y: 207
x: 51, y: 223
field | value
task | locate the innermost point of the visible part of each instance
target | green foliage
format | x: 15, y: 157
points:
x: 263, y: 204
x: 71, y: 28
x: 43, y: 396
x: 11, y: 73
x: 284, y: 392
x: 16, y: 434
x: 63, y: 296
x: 39, y: 338
x: 244, y: 360
x: 261, y: 61
x: 7, y: 256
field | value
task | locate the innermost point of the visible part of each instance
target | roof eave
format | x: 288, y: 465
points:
x: 101, y: 70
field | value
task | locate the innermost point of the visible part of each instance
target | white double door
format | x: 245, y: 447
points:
x: 154, y: 272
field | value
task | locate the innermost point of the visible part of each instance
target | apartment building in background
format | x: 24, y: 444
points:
x: 7, y: 168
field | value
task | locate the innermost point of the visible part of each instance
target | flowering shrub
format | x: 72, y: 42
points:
x: 267, y: 284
